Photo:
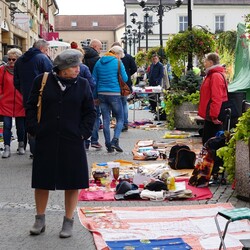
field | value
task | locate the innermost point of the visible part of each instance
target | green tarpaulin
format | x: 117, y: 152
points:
x: 241, y: 79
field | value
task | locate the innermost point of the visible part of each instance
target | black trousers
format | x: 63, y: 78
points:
x: 209, y: 130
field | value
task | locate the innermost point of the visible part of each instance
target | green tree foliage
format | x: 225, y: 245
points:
x: 190, y: 82
x: 198, y: 42
x: 141, y: 58
x: 226, y: 41
x: 227, y: 153
x: 247, y: 21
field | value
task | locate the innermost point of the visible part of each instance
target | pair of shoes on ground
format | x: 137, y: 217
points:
x: 39, y: 226
x: 20, y: 150
x: 114, y: 145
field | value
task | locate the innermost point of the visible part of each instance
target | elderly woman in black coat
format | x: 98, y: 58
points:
x: 67, y: 118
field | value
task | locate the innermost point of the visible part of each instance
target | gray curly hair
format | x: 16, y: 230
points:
x: 14, y: 51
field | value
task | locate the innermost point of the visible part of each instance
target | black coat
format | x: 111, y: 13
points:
x: 91, y: 56
x: 67, y: 118
x: 130, y: 67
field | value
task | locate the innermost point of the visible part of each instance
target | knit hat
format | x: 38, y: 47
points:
x: 74, y: 45
x: 68, y: 58
x: 117, y: 50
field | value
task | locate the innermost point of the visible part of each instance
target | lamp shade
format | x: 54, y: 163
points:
x: 178, y: 2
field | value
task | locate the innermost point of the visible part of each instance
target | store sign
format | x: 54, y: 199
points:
x: 5, y: 26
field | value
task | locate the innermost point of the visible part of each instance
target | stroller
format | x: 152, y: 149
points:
x: 212, y: 145
x: 209, y: 164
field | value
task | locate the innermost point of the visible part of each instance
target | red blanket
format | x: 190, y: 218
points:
x: 102, y: 195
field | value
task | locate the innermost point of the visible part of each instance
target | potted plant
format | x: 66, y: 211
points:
x: 228, y: 153
x: 183, y: 90
x: 195, y: 41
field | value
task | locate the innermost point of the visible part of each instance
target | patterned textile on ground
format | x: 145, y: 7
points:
x: 194, y: 224
x: 102, y: 193
x: 102, y: 185
x: 159, y: 150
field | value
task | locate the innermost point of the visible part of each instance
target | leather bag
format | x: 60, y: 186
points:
x: 39, y: 103
x: 125, y: 90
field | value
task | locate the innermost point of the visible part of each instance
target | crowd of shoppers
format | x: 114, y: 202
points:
x: 82, y: 81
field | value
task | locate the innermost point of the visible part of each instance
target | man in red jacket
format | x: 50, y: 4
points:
x: 213, y: 93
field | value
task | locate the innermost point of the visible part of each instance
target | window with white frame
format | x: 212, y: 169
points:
x: 183, y: 23
x: 94, y: 23
x: 219, y: 23
x: 73, y: 24
x: 104, y: 46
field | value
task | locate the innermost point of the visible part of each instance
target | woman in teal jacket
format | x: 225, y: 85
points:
x: 107, y: 93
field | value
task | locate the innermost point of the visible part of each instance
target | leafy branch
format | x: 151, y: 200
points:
x: 227, y: 153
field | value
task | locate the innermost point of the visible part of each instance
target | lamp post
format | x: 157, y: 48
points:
x: 140, y: 34
x: 190, y: 24
x: 125, y: 36
x: 147, y: 25
x: 135, y: 34
x: 130, y: 42
x: 160, y: 9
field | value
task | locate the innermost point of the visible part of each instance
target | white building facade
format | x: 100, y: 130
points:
x: 213, y: 15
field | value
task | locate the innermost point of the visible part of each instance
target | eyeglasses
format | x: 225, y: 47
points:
x: 12, y: 59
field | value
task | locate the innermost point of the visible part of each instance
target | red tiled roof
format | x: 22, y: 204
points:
x: 85, y: 22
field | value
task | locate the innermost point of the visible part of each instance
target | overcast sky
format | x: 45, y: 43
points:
x: 90, y: 7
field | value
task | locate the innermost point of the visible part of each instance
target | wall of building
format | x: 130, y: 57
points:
x: 201, y: 15
x: 34, y: 22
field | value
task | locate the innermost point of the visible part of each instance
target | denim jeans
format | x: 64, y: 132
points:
x: 112, y: 103
x: 125, y: 108
x: 7, y: 126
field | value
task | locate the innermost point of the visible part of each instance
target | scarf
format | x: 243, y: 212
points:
x: 10, y: 69
x: 109, y: 54
x: 212, y: 67
x: 63, y: 82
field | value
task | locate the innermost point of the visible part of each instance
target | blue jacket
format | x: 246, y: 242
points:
x: 31, y: 64
x: 85, y: 73
x: 155, y: 74
x: 105, y: 74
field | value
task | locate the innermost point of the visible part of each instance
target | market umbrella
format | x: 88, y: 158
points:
x: 55, y: 43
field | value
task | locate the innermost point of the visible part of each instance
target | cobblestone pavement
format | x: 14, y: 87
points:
x: 17, y: 202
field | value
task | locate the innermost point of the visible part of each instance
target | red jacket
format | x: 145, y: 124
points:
x: 11, y: 100
x: 212, y: 93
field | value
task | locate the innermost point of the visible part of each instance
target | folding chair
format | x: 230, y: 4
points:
x: 231, y: 215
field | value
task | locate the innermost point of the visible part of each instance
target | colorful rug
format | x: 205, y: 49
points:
x: 194, y: 224
x: 100, y: 194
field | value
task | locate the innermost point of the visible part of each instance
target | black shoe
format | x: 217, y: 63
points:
x: 115, y: 145
x: 125, y: 128
x: 109, y: 148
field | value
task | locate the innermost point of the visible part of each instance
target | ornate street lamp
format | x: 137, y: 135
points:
x: 147, y: 25
x: 160, y: 9
x: 135, y: 35
x: 140, y: 34
x: 125, y: 36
